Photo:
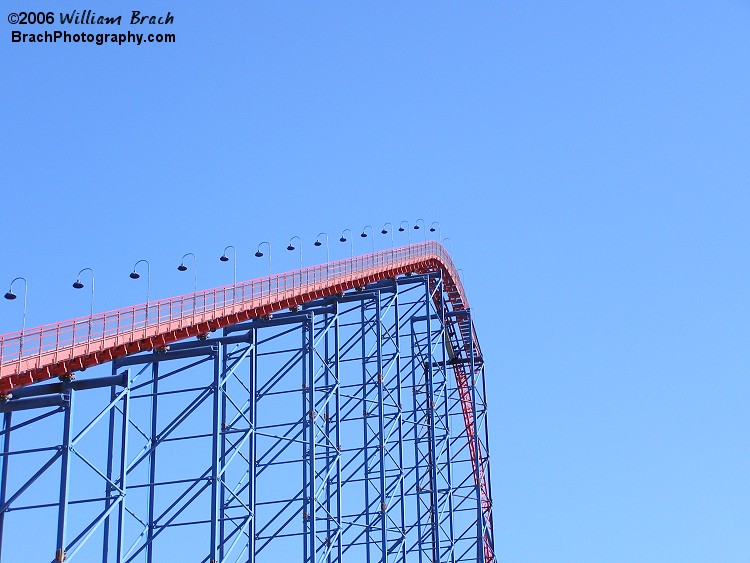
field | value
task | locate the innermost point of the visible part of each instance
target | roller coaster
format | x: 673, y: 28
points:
x: 332, y: 413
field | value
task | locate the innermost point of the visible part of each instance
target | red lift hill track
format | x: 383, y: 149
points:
x: 59, y: 349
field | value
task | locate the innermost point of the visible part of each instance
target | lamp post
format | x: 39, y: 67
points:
x: 401, y: 230
x: 11, y: 296
x: 386, y: 231
x: 259, y: 254
x: 439, y: 229
x: 363, y: 234
x: 225, y: 258
x: 416, y: 228
x: 351, y: 241
x: 291, y: 247
x: 134, y: 275
x: 79, y: 285
x: 183, y: 268
x: 318, y: 243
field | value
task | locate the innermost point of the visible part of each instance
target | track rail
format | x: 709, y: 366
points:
x: 59, y: 349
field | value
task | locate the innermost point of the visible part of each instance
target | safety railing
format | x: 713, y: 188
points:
x: 37, y: 347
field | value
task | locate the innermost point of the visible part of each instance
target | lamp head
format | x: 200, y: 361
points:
x: 400, y: 229
x: 77, y: 284
x: 432, y: 229
x: 416, y: 227
x: 134, y: 275
x: 384, y: 232
x: 317, y: 243
x: 363, y: 234
x: 10, y: 296
x: 342, y: 239
x: 224, y: 258
x: 290, y: 247
x: 258, y: 254
x: 182, y: 267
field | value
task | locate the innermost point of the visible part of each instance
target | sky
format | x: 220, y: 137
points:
x: 588, y: 160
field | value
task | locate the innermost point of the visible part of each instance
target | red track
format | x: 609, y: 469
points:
x: 59, y: 349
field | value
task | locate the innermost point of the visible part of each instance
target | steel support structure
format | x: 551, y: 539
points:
x: 346, y: 429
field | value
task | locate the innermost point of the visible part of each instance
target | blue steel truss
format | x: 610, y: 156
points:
x: 333, y: 432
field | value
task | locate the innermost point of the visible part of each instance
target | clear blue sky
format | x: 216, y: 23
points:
x: 589, y: 160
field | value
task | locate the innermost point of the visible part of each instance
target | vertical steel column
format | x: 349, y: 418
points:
x: 416, y: 422
x: 216, y: 458
x: 365, y: 438
x: 108, y: 486
x: 337, y: 373
x: 253, y: 443
x: 152, y: 461
x: 123, y: 476
x: 399, y: 398
x: 381, y: 429
x: 327, y: 422
x: 310, y: 451
x: 309, y: 362
x: 446, y: 413
x: 7, y: 425
x: 306, y: 423
x: 62, y: 512
x: 222, y: 390
x: 430, y: 406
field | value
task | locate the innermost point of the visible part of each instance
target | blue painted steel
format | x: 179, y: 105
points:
x: 7, y: 422
x: 201, y: 451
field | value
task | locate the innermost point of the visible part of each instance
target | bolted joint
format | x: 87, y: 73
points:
x: 202, y: 336
x: 67, y: 377
x: 305, y: 516
x: 5, y: 397
x: 60, y: 554
x: 313, y: 414
x: 383, y: 506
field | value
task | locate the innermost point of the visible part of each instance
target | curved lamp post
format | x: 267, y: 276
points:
x: 439, y: 229
x: 416, y: 228
x: 401, y: 229
x: 79, y: 285
x: 11, y: 296
x: 259, y: 254
x: 183, y: 268
x: 351, y: 242
x: 225, y: 258
x: 291, y: 247
x: 318, y: 243
x: 386, y: 231
x: 134, y: 275
x: 363, y: 234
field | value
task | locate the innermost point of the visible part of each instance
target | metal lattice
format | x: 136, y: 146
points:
x: 346, y: 429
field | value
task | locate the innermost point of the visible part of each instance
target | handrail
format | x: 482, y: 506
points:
x: 33, y: 348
